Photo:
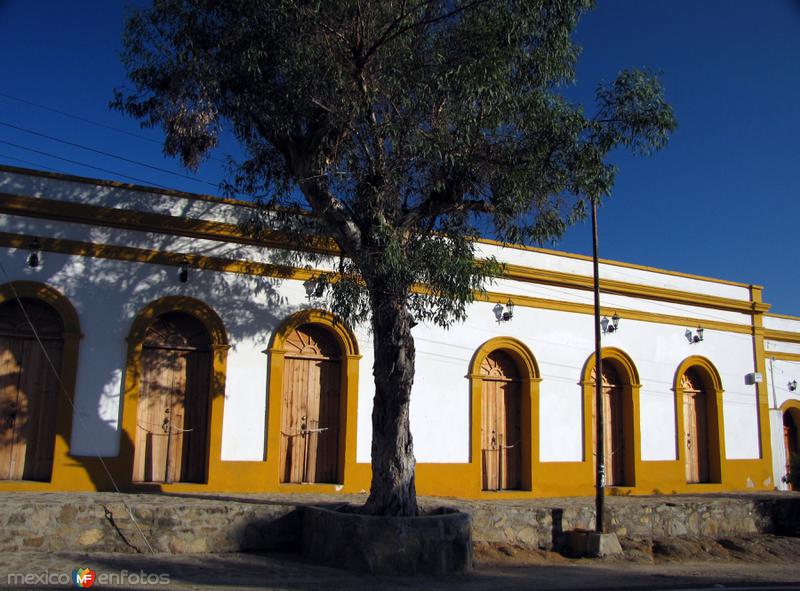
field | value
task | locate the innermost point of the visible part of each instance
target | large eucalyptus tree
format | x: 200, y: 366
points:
x: 406, y: 128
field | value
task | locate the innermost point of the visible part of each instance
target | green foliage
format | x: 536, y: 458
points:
x: 406, y: 129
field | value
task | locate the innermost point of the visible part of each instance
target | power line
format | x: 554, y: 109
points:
x: 104, y: 153
x: 29, y: 163
x: 106, y: 170
x: 90, y: 121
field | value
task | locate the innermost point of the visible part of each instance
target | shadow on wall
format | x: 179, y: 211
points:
x: 109, y: 292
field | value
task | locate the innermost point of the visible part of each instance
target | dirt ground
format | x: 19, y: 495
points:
x: 762, y: 562
x: 761, y: 549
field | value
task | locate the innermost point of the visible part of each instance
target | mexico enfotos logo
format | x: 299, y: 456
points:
x: 84, y: 577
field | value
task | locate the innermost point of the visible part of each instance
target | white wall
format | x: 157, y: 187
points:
x: 108, y: 294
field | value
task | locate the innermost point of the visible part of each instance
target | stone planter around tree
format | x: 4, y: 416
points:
x: 439, y: 542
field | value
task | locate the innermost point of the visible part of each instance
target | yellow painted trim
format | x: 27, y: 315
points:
x: 211, y: 230
x: 631, y: 428
x: 782, y: 356
x: 143, y: 221
x: 784, y: 316
x: 712, y: 383
x: 351, y: 478
x: 578, y: 308
x: 586, y: 283
x: 781, y: 335
x: 239, y: 202
x: 791, y: 404
x: 529, y: 390
x: 139, y: 255
x: 582, y: 257
x: 133, y: 374
x: 67, y: 372
x: 762, y: 389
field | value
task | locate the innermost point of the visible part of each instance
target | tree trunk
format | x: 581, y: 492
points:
x: 393, y: 491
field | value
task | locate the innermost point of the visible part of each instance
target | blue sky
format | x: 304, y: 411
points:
x: 722, y: 200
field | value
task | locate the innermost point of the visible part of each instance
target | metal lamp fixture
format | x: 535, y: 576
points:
x: 34, y: 258
x: 694, y: 337
x: 793, y: 385
x: 183, y: 271
x: 314, y: 286
x: 610, y: 325
x: 503, y: 313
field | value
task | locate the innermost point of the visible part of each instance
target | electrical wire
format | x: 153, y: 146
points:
x: 108, y: 154
x: 29, y: 163
x: 65, y: 393
x: 90, y: 121
x: 106, y: 170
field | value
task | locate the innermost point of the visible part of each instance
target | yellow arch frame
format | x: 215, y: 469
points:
x: 712, y: 383
x: 530, y: 378
x: 348, y: 345
x: 133, y: 375
x: 631, y: 421
x: 59, y: 477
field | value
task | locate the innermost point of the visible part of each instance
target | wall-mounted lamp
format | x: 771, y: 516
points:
x: 503, y: 313
x: 314, y: 286
x: 34, y: 258
x: 610, y: 325
x: 694, y: 337
x: 793, y: 385
x: 183, y: 271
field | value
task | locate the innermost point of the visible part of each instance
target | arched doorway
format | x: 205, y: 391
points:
x: 791, y: 441
x: 311, y: 407
x: 695, y: 424
x: 620, y: 388
x: 29, y: 387
x: 172, y: 423
x: 504, y: 394
x: 615, y: 447
x: 698, y: 407
x: 501, y: 422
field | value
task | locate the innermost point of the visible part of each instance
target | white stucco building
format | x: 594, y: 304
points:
x: 234, y: 381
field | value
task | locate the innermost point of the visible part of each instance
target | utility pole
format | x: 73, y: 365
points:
x: 600, y: 475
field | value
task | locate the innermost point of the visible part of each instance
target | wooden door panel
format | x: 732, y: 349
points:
x: 160, y: 421
x: 489, y: 443
x: 197, y: 410
x: 327, y: 438
x: 43, y: 387
x: 696, y: 440
x: 690, y: 437
x: 701, y: 430
x: 10, y: 370
x: 310, y: 410
x: 152, y: 419
x: 511, y: 439
x: 29, y: 392
x: 292, y: 423
x: 501, y: 423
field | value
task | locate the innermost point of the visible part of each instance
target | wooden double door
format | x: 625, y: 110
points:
x: 311, y: 407
x: 695, y: 427
x: 501, y: 423
x: 614, y: 415
x: 29, y: 388
x: 173, y: 406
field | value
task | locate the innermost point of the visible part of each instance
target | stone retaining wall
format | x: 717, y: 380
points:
x: 176, y: 524
x: 638, y: 518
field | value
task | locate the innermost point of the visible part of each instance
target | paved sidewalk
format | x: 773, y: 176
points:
x: 242, y: 572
